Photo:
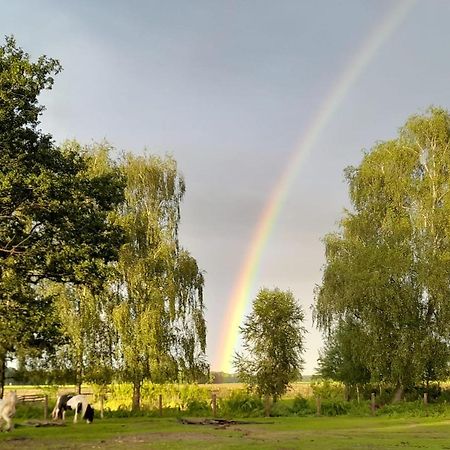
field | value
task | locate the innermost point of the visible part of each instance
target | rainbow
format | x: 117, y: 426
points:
x: 240, y: 297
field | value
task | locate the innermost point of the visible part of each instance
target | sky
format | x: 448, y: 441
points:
x: 230, y: 89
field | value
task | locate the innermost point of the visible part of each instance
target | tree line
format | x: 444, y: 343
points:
x: 93, y: 279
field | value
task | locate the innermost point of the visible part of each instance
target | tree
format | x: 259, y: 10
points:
x: 273, y: 342
x: 343, y: 358
x: 388, y: 267
x: 54, y: 214
x: 159, y: 312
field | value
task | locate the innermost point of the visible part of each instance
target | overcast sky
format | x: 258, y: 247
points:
x: 228, y: 88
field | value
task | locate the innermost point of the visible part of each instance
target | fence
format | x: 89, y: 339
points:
x: 38, y: 398
x: 34, y: 398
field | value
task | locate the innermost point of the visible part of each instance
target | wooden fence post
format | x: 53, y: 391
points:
x: 101, y: 406
x: 318, y: 406
x: 214, y: 404
x: 425, y: 398
x: 160, y: 405
x: 372, y: 403
x: 45, y: 407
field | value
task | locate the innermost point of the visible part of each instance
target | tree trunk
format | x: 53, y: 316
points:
x: 79, y: 377
x: 346, y: 393
x: 136, y: 405
x: 398, y: 393
x: 267, y: 405
x: 2, y: 372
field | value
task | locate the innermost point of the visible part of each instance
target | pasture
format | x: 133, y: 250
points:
x: 316, y: 433
x: 343, y: 425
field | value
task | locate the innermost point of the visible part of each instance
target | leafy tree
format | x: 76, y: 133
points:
x: 388, y: 268
x: 343, y: 357
x: 273, y: 342
x: 53, y: 214
x: 85, y: 309
x: 159, y: 313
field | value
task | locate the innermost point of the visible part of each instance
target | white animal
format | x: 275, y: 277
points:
x: 80, y: 404
x: 8, y: 409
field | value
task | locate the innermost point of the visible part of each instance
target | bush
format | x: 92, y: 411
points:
x: 241, y: 403
x: 302, y: 406
x: 30, y: 411
x: 414, y: 409
x: 335, y: 407
x: 328, y: 390
x: 198, y: 408
x: 280, y: 409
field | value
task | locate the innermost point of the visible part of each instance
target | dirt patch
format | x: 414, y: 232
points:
x: 170, y: 436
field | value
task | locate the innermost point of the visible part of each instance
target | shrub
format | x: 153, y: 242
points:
x: 198, y: 407
x: 334, y: 407
x: 328, y: 390
x: 30, y: 411
x: 301, y: 406
x: 241, y: 403
x: 280, y: 409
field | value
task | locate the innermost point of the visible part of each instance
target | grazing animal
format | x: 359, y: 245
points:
x: 8, y: 409
x: 59, y: 411
x: 79, y: 403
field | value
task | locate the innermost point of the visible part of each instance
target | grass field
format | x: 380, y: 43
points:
x: 316, y: 433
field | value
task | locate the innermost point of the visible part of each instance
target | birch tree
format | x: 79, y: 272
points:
x: 273, y: 343
x: 159, y: 316
x: 388, y: 268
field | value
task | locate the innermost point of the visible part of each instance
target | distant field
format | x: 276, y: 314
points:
x: 306, y: 433
x: 223, y: 389
x: 303, y: 388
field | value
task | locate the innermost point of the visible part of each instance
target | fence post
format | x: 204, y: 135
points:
x: 160, y: 405
x: 372, y: 403
x: 214, y: 404
x: 425, y: 398
x: 45, y: 406
x: 318, y: 406
x: 101, y: 406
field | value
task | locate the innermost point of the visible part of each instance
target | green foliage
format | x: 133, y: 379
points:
x: 302, y: 406
x: 241, y: 403
x: 29, y: 411
x: 334, y: 407
x: 387, y: 270
x: 159, y: 311
x: 55, y: 213
x: 343, y: 357
x: 273, y: 341
x: 328, y: 390
x: 198, y: 408
x: 280, y: 409
x: 179, y: 397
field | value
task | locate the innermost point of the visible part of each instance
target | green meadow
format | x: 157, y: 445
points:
x: 316, y: 433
